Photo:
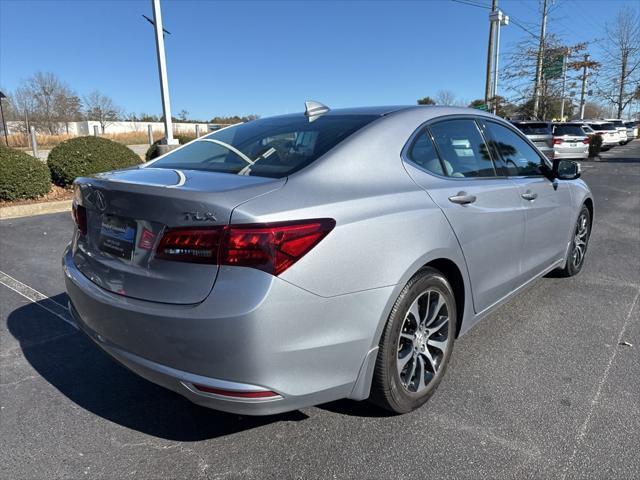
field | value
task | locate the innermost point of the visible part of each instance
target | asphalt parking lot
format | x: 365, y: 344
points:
x: 544, y: 388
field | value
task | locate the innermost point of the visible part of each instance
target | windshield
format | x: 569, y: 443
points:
x: 574, y: 130
x: 272, y: 147
x: 534, y: 128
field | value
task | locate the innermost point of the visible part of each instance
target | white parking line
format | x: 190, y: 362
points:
x: 38, y: 298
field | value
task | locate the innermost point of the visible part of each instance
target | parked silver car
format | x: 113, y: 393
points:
x: 540, y: 133
x: 632, y: 129
x: 570, y: 141
x: 299, y: 259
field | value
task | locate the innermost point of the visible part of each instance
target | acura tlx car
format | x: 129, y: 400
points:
x: 304, y: 258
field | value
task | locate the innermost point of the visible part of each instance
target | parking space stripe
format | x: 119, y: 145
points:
x: 38, y: 298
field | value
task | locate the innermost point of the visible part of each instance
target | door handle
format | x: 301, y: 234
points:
x: 529, y: 195
x: 462, y: 198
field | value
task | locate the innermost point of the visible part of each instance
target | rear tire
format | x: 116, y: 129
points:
x: 416, y: 343
x: 579, y: 244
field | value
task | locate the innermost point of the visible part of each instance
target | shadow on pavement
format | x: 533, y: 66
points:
x: 73, y: 364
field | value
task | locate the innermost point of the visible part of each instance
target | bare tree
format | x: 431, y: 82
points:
x: 594, y: 110
x: 445, y: 97
x: 182, y: 115
x: 620, y: 74
x: 100, y: 108
x: 46, y: 101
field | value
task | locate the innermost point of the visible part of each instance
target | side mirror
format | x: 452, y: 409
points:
x: 566, y: 169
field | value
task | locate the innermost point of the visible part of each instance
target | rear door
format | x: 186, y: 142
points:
x: 451, y: 161
x: 547, y: 204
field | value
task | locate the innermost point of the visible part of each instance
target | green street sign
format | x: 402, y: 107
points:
x: 482, y: 107
x: 552, y: 64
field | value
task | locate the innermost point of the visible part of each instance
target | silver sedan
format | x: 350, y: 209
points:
x: 300, y: 259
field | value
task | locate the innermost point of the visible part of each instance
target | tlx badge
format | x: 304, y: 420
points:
x: 200, y: 217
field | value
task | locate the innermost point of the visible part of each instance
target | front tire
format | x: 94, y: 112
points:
x: 579, y: 244
x: 416, y: 343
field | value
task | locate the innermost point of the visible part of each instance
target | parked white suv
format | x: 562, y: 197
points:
x: 621, y: 128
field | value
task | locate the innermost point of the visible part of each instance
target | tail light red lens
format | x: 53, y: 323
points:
x: 269, y: 247
x: 586, y: 141
x: 557, y: 141
x: 79, y: 214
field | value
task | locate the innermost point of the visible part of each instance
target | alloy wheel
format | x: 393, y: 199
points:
x: 580, y: 241
x: 423, y: 341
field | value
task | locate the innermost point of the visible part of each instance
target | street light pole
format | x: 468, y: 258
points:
x: 538, y: 80
x: 564, y: 83
x: 162, y: 68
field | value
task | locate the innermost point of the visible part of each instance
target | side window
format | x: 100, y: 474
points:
x: 520, y: 158
x: 462, y: 148
x: 424, y: 154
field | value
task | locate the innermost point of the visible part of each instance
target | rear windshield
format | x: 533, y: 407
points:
x: 618, y: 123
x: 534, y: 128
x: 561, y: 130
x: 271, y: 147
x: 602, y: 126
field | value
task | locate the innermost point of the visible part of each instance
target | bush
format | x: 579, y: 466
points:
x: 595, y: 144
x: 154, y: 152
x: 22, y: 176
x: 84, y: 156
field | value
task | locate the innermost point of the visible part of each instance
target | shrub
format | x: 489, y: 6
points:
x: 595, y: 144
x: 154, y: 152
x: 84, y: 156
x: 22, y: 176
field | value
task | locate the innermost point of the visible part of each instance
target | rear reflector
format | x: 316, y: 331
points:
x: 79, y: 214
x: 235, y: 393
x: 271, y: 247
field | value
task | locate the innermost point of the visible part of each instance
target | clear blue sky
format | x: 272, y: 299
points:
x: 267, y: 57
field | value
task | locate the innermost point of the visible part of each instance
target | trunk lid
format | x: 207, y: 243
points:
x: 128, y: 211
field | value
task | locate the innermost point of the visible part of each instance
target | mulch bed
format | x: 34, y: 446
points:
x: 55, y: 194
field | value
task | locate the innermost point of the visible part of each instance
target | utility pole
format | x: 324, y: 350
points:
x: 487, y: 88
x: 583, y: 90
x: 538, y: 81
x: 564, y: 83
x: 162, y: 68
x: 499, y: 19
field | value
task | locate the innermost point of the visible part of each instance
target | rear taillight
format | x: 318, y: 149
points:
x: 79, y: 214
x: 269, y: 247
x: 586, y: 141
x: 196, y: 245
x: 557, y: 141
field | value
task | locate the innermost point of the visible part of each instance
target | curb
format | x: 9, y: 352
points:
x: 30, y: 209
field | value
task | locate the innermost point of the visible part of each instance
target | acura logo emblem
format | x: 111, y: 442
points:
x: 99, y: 200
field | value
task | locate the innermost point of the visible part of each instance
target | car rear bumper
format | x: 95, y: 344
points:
x: 253, y: 332
x: 572, y: 153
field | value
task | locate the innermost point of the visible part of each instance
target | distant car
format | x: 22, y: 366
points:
x: 632, y: 129
x: 621, y: 128
x: 608, y: 132
x: 588, y: 131
x: 296, y: 260
x: 570, y: 141
x: 540, y: 133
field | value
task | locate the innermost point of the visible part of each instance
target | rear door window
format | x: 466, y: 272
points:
x: 520, y: 158
x: 541, y: 128
x: 462, y: 149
